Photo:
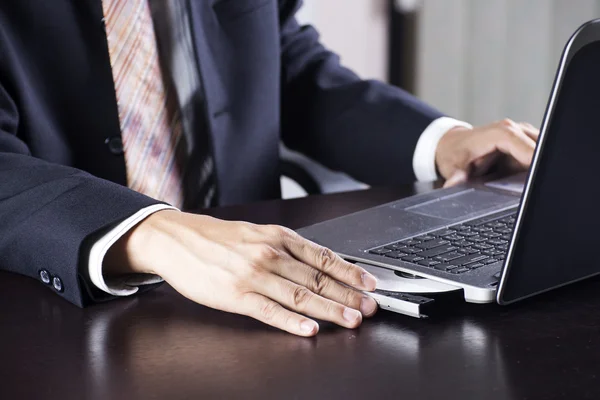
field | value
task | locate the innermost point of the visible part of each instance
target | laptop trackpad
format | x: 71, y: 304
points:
x: 463, y: 204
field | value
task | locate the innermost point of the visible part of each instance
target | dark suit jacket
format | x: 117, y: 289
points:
x: 265, y: 78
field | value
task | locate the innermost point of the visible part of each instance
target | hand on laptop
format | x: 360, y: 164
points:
x: 464, y: 153
x: 266, y: 272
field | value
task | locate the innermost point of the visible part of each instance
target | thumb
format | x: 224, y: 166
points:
x: 459, y: 176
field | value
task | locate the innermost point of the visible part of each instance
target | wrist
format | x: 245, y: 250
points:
x: 131, y: 254
x: 447, y: 150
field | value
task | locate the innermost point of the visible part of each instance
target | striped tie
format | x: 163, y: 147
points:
x: 151, y: 128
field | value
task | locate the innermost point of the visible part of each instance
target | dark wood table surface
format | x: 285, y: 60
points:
x: 161, y: 346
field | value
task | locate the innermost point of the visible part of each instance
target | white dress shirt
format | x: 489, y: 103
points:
x: 178, y: 41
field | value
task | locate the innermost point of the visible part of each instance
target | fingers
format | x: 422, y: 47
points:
x: 530, y: 130
x: 506, y: 137
x: 516, y: 143
x: 328, y: 262
x: 457, y: 178
x: 270, y: 312
x: 323, y: 285
x: 302, y: 300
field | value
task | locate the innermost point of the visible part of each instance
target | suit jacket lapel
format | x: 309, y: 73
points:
x: 205, y: 31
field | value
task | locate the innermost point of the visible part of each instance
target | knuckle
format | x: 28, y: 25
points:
x: 511, y: 127
x: 326, y: 258
x: 301, y: 297
x: 254, y: 272
x: 287, y: 236
x: 247, y: 232
x: 333, y: 309
x: 283, y: 232
x: 507, y: 122
x: 269, y: 310
x: 319, y: 282
x: 288, y: 319
x: 266, y: 253
x: 272, y: 230
x: 351, y: 298
x: 514, y: 131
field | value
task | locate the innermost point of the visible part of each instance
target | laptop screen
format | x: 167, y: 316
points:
x: 559, y: 237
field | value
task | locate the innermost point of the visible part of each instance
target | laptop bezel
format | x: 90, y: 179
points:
x: 588, y: 33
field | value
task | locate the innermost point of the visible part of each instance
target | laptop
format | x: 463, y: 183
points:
x: 505, y: 240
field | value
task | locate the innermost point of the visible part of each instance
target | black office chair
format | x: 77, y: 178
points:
x: 301, y: 176
x: 312, y: 177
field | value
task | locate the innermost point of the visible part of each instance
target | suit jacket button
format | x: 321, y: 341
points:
x: 45, y: 276
x: 57, y: 283
x: 115, y: 145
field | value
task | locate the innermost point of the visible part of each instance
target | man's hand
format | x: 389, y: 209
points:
x: 266, y: 272
x: 463, y: 153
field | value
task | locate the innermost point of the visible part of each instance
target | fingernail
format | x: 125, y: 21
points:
x: 369, y: 281
x: 351, y: 315
x: 368, y: 306
x: 308, y: 326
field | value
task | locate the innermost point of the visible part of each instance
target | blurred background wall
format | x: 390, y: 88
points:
x: 478, y: 60
x: 355, y: 29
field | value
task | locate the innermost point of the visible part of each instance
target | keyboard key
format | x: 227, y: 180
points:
x: 495, y: 225
x: 475, y: 266
x: 477, y: 239
x: 497, y: 242
x: 462, y: 243
x: 506, y: 237
x: 410, y: 242
x: 443, y: 267
x: 492, y: 253
x: 501, y: 257
x: 460, y: 270
x: 467, y: 234
x: 380, y: 251
x: 412, y: 259
x: 502, y: 247
x: 438, y: 251
x: 449, y: 256
x: 508, y: 220
x: 451, y: 267
x: 442, y: 233
x: 453, y: 237
x: 468, y: 250
x: 481, y: 229
x: 411, y: 250
x: 395, y: 246
x: 470, y: 259
x: 482, y: 246
x: 432, y: 243
x: 425, y: 238
x: 428, y: 263
x: 395, y: 254
x: 504, y: 231
x: 460, y: 228
x: 490, y: 261
x: 491, y: 235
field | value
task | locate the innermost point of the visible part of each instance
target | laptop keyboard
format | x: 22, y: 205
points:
x: 459, y: 248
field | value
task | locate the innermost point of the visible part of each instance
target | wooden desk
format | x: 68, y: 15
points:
x: 159, y: 345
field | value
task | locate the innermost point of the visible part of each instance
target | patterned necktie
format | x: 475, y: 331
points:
x: 155, y: 148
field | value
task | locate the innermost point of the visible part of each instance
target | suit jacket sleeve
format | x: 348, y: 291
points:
x: 365, y: 128
x: 49, y: 213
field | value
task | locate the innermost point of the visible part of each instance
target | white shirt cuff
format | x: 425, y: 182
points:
x: 424, y: 156
x: 127, y: 285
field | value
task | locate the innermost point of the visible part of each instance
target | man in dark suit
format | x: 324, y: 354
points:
x: 114, y: 112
